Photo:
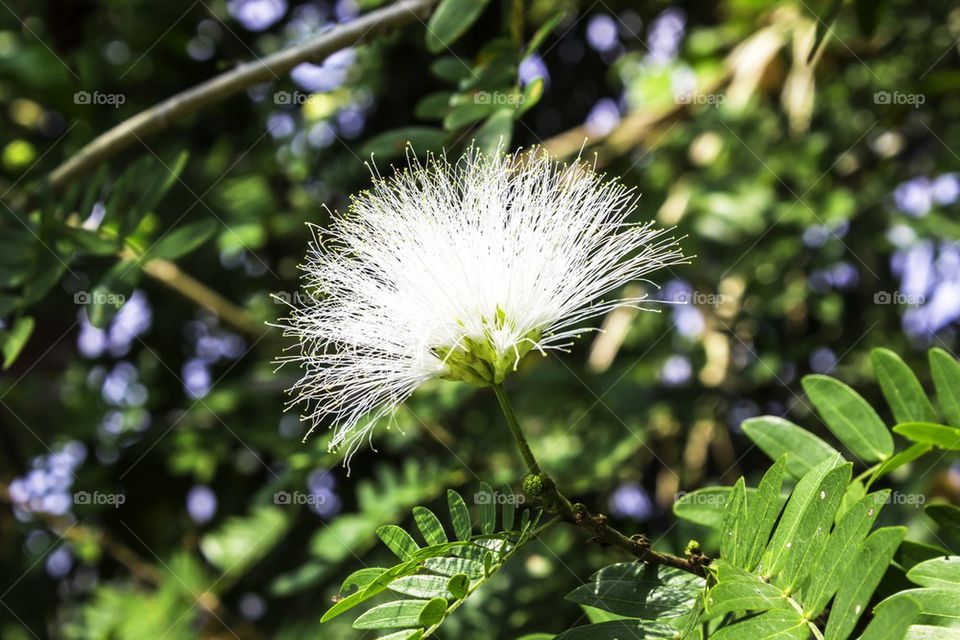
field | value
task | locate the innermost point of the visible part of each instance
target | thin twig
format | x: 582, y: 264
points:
x: 173, y: 109
x: 540, y: 485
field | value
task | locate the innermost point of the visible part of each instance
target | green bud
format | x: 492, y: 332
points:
x: 476, y: 361
x: 533, y: 486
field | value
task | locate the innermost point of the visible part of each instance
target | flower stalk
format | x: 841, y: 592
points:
x: 541, y: 486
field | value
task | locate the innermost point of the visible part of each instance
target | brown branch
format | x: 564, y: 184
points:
x: 163, y: 115
x: 540, y: 485
x: 189, y: 287
x: 603, y: 534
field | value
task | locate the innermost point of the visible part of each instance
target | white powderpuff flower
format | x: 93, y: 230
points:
x: 457, y: 271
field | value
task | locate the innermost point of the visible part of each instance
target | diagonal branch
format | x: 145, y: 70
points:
x: 161, y: 116
x: 540, y: 485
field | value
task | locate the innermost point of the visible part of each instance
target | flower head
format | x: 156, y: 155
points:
x: 457, y: 271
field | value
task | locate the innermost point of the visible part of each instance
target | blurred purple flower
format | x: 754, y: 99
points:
x: 603, y: 117
x: 196, y: 378
x: 676, y: 371
x: 665, y: 35
x: 531, y: 68
x: 201, y: 504
x: 602, y: 33
x: 59, y: 562
x: 630, y: 500
x: 823, y: 360
x: 914, y: 197
x: 257, y: 15
x: 946, y: 189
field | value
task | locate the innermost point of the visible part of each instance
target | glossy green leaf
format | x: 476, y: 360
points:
x: 93, y: 243
x: 399, y: 541
x: 543, y: 31
x: 487, y: 500
x: 452, y: 566
x: 393, y: 143
x: 763, y: 507
x: 943, y: 572
x: 900, y: 386
x: 813, y: 529
x: 451, y: 69
x: 620, y: 630
x: 739, y: 590
x: 421, y: 586
x: 855, y: 492
x: 429, y: 525
x: 433, y: 106
x: 639, y: 591
x: 402, y: 613
x: 463, y: 114
x: 850, y: 418
x: 459, y: 585
x: 531, y: 95
x: 459, y: 515
x: 932, y: 434
x: 854, y: 593
x: 835, y: 564
x: 777, y: 437
x: 405, y: 634
x: 732, y: 544
x: 375, y: 586
x: 891, y: 622
x: 946, y: 379
x: 496, y: 132
x: 929, y: 632
x: 450, y: 20
x: 182, y: 240
x: 705, y: 506
x: 902, y: 458
x: 938, y: 606
x: 804, y: 494
x: 778, y: 624
x: 15, y: 339
x: 360, y: 579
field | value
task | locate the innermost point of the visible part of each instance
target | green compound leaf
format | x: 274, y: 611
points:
x: 946, y: 378
x: 777, y: 437
x: 932, y: 434
x: 854, y: 593
x: 429, y: 526
x: 450, y: 20
x: 850, y: 418
x: 460, y: 515
x: 900, y: 386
